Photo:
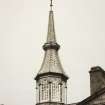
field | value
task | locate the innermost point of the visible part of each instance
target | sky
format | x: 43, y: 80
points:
x: 80, y: 30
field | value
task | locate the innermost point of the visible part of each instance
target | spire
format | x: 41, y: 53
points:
x: 51, y: 62
x: 51, y: 28
x: 51, y: 37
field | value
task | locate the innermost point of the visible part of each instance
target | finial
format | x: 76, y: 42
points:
x: 51, y: 5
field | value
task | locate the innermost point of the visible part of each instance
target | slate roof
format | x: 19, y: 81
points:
x: 92, y: 97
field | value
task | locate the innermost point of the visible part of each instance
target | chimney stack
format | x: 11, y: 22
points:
x: 97, y: 79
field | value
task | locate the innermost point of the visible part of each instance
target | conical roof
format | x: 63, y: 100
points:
x: 51, y: 62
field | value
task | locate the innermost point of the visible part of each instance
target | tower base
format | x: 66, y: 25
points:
x: 50, y: 103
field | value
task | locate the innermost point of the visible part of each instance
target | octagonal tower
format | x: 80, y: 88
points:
x: 51, y: 80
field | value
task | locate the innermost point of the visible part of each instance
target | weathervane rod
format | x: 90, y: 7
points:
x: 51, y: 4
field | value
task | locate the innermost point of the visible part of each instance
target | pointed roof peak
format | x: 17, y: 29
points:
x: 51, y: 28
x: 51, y: 37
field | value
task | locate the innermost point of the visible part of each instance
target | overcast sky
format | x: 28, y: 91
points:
x: 80, y: 30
